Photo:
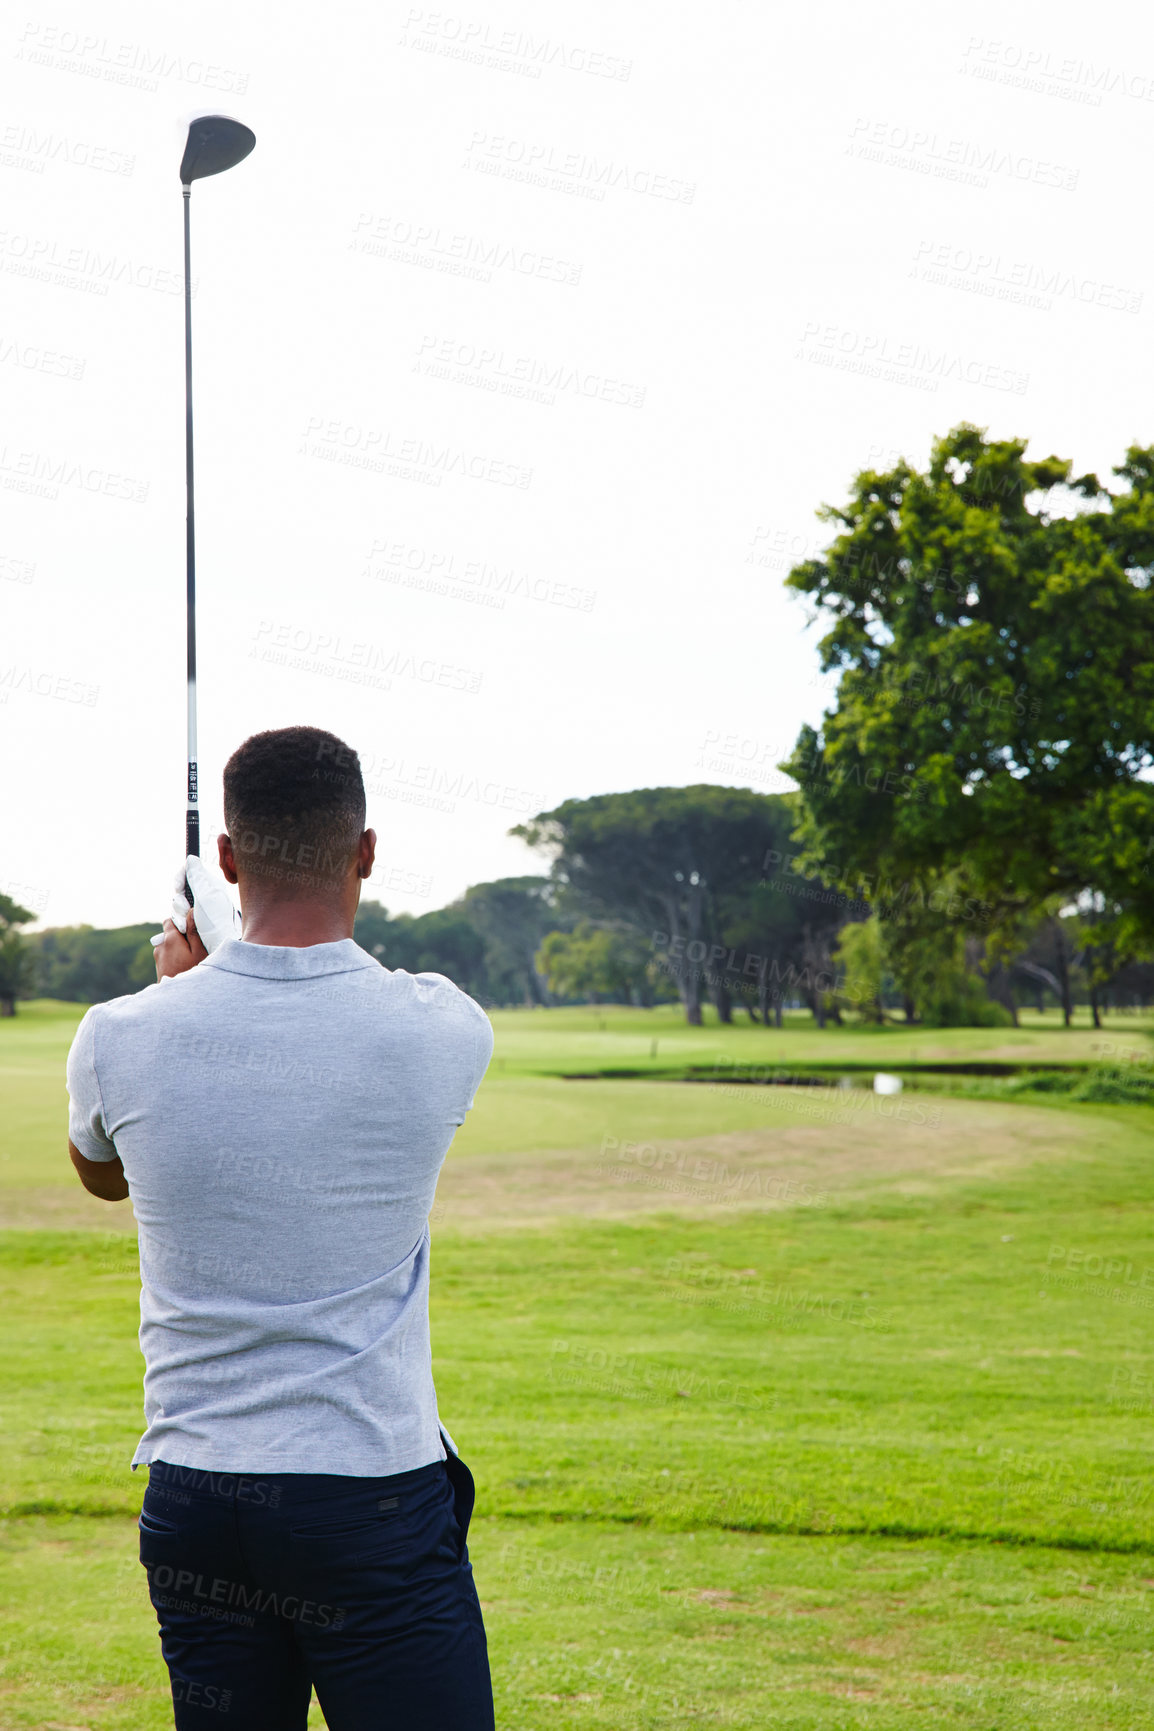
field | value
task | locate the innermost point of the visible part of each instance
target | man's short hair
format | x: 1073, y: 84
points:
x: 294, y: 808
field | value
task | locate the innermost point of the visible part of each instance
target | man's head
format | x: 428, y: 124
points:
x: 294, y: 804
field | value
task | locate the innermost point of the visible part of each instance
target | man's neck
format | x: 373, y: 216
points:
x: 296, y: 925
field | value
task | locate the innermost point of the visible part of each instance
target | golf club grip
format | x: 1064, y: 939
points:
x: 191, y: 845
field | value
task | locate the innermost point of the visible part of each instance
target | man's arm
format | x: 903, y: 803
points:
x: 177, y: 952
x: 104, y: 1178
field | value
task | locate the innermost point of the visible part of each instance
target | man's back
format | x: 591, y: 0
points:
x: 282, y: 1115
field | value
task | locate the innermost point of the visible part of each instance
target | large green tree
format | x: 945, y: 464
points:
x: 90, y: 964
x: 513, y: 915
x: 781, y: 929
x: 992, y: 621
x: 15, y: 958
x: 443, y: 941
x: 600, y: 963
x: 675, y: 863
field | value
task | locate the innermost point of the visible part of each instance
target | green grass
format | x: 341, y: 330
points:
x: 565, y: 1040
x: 879, y: 1463
x: 521, y: 1108
x: 598, y: 1626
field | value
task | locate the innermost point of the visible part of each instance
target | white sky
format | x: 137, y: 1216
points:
x: 806, y: 258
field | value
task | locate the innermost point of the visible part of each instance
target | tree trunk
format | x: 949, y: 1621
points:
x: 1063, y: 970
x: 1000, y: 986
x: 686, y: 974
x: 722, y: 1003
x: 536, y: 991
x: 908, y: 1006
x: 692, y: 970
x: 7, y: 1006
x: 777, y: 1011
x: 1094, y: 1008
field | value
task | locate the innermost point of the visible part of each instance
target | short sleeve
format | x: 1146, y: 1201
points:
x: 482, y: 1050
x: 86, y: 1128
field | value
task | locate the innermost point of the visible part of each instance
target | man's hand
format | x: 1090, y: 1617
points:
x: 218, y: 915
x: 215, y: 909
x: 178, y: 951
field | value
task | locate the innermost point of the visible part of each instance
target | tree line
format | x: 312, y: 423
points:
x: 973, y: 826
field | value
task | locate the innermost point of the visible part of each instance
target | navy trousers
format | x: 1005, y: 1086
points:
x: 269, y: 1587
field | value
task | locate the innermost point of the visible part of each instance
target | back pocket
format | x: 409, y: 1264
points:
x: 352, y: 1527
x: 154, y: 1524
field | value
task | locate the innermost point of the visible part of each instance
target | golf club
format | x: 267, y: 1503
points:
x: 214, y: 144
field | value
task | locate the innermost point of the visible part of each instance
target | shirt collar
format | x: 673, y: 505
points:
x: 283, y: 962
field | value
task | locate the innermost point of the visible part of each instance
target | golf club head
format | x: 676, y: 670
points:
x: 214, y: 143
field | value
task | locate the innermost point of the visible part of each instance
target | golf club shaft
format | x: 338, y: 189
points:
x: 192, y: 821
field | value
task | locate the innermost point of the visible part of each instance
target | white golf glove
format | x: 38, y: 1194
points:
x: 217, y: 917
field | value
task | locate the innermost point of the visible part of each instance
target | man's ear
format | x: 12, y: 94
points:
x: 227, y: 863
x: 366, y: 853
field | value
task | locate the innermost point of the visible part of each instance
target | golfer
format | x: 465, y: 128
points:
x: 278, y: 1107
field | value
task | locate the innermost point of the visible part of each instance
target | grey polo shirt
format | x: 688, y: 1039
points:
x: 282, y: 1116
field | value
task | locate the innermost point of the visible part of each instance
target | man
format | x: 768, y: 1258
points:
x: 278, y: 1111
